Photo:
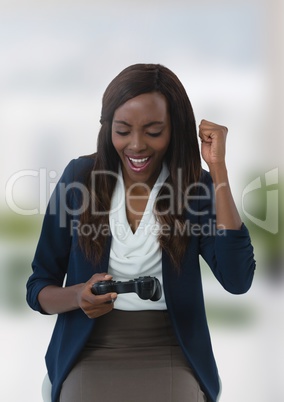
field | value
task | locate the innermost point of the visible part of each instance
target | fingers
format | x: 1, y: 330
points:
x: 111, y: 297
x: 105, y: 299
x: 208, y: 130
x: 99, y: 277
x: 205, y: 131
x: 99, y: 305
x: 96, y: 305
x: 209, y: 125
x: 95, y: 311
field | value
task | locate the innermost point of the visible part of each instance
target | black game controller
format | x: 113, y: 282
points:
x: 146, y: 287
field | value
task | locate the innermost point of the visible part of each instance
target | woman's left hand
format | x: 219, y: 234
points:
x: 213, y: 142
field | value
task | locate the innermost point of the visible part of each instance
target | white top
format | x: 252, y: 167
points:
x: 135, y: 254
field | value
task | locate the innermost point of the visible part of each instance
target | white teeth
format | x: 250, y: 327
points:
x: 139, y: 160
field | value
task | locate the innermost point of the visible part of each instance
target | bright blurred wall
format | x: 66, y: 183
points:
x: 57, y: 59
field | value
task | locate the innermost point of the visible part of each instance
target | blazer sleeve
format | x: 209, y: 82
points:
x: 52, y: 253
x: 229, y: 253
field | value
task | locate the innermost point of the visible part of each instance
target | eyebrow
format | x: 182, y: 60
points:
x: 151, y: 123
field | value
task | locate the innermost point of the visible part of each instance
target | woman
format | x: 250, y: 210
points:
x: 140, y: 206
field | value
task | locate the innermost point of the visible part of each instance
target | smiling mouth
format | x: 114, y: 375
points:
x: 138, y: 164
x: 137, y: 161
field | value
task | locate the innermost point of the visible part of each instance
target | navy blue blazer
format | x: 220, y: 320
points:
x: 228, y: 253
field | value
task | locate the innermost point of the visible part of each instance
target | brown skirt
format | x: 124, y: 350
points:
x: 132, y: 356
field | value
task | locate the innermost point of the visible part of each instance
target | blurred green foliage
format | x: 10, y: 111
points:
x: 18, y: 236
x: 16, y: 227
x: 229, y: 314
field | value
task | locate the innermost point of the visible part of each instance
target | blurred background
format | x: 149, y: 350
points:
x: 57, y: 57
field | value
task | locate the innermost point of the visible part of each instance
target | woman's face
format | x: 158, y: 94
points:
x: 141, y: 132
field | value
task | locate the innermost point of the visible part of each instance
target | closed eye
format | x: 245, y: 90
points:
x: 122, y: 132
x: 154, y: 134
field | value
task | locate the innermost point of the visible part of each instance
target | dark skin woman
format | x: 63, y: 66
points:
x: 148, y: 156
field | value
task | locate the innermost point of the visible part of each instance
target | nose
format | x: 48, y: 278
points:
x: 137, y: 142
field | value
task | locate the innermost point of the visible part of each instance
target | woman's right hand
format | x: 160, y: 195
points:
x: 95, y: 306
